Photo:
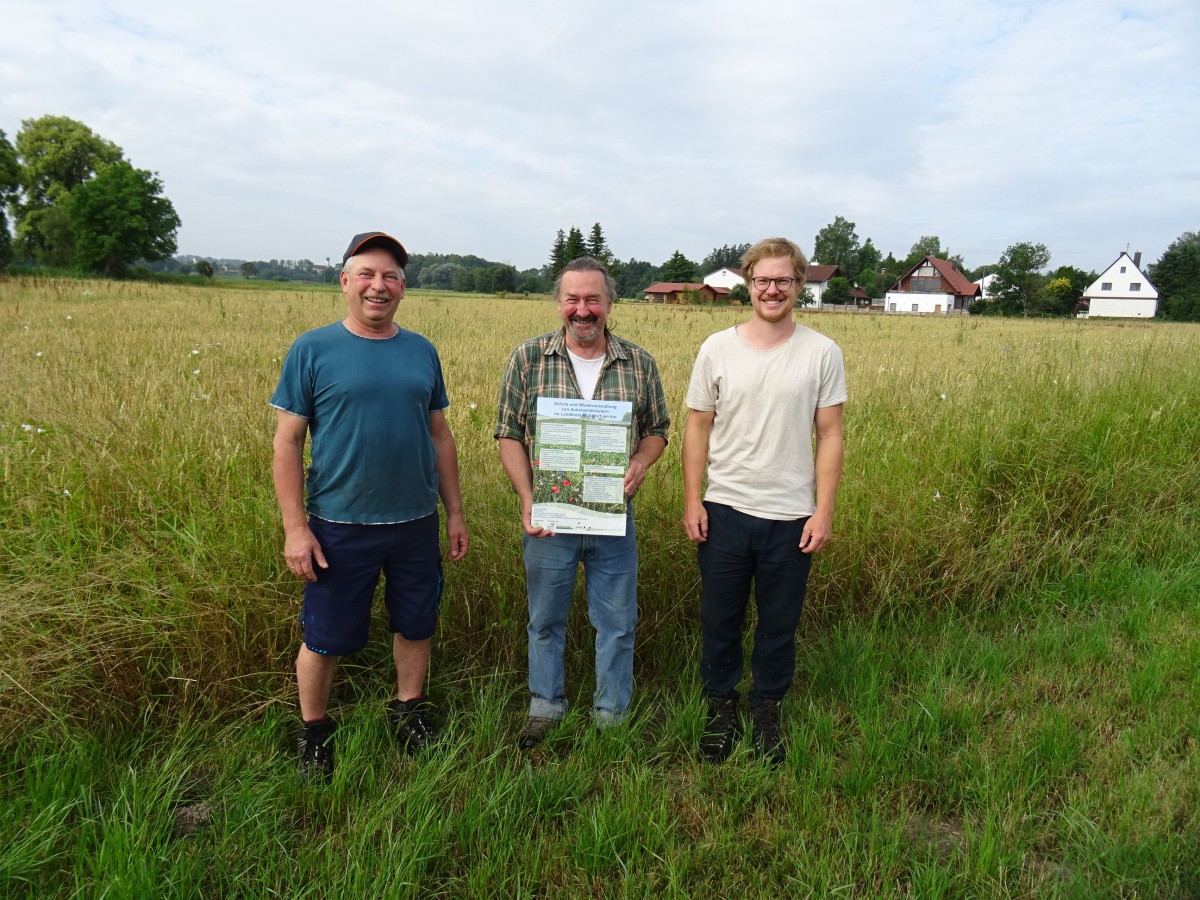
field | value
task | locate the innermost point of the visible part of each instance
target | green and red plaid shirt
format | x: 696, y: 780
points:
x: 540, y: 367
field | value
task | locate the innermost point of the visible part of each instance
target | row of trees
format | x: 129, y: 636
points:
x: 76, y: 201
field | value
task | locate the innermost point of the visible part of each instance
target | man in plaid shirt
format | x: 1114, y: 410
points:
x: 581, y: 360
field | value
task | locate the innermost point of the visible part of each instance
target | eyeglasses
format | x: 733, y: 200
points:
x: 784, y: 284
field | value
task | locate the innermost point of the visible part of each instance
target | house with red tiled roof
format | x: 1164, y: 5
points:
x: 676, y: 292
x: 725, y: 278
x: 931, y: 286
x: 817, y: 281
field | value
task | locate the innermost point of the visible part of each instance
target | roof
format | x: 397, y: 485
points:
x: 959, y: 283
x: 670, y: 287
x: 818, y: 273
x: 737, y: 272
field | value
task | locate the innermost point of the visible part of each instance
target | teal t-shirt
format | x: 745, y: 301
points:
x: 367, y: 402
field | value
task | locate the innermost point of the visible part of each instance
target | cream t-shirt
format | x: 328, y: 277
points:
x: 760, y: 450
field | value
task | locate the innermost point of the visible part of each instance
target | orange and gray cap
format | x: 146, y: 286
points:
x: 360, y: 242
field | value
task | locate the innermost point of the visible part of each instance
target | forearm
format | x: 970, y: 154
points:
x: 828, y: 471
x: 694, y: 457
x: 446, y: 465
x: 288, y: 472
x: 649, y: 449
x: 516, y: 465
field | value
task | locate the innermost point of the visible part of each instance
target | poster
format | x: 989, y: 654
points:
x: 581, y: 454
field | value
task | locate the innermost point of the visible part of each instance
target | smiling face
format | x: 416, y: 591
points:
x: 773, y: 305
x: 584, y: 306
x: 373, y: 283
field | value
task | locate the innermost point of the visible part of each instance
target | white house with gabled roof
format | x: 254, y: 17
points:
x: 1122, y: 292
x: 724, y: 278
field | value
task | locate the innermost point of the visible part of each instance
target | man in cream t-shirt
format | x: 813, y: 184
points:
x: 759, y: 394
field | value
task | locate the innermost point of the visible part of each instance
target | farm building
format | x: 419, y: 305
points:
x: 675, y: 292
x: 931, y: 286
x: 724, y: 278
x: 1122, y: 292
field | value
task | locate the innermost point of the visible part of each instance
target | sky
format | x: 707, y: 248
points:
x: 281, y: 129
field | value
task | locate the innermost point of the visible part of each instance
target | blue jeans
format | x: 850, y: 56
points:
x: 610, y: 572
x: 742, y: 549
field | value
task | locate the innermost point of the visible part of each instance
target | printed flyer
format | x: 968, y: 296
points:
x: 581, y: 453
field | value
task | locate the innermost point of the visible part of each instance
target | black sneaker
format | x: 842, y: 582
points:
x: 535, y: 731
x: 316, y: 749
x: 768, y: 738
x: 411, y: 723
x: 721, y: 729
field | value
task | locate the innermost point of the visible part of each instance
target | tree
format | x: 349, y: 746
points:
x: 10, y: 181
x: 1062, y: 292
x: 740, y: 292
x: 634, y: 276
x: 57, y: 155
x: 576, y: 246
x: 869, y: 258
x: 248, y: 269
x: 679, y: 269
x: 119, y: 217
x: 838, y: 291
x: 1176, y: 275
x: 558, y: 254
x: 837, y: 245
x: 597, y: 247
x: 203, y: 267
x: 727, y: 256
x: 465, y: 281
x: 1018, y: 279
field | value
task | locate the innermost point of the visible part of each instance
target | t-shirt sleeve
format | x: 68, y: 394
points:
x: 702, y: 392
x: 438, y: 397
x: 294, y: 392
x: 833, y: 378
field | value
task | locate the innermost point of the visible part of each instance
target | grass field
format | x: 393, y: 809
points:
x: 998, y: 688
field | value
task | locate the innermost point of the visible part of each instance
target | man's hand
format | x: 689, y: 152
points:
x: 817, y: 531
x: 301, y: 549
x: 527, y: 522
x: 459, y: 542
x: 695, y: 521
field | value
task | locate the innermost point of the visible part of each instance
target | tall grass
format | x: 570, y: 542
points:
x: 997, y: 681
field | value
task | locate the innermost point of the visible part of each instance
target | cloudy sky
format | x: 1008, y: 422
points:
x: 280, y: 129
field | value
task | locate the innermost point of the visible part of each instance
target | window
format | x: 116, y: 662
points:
x: 914, y: 309
x: 1106, y: 285
x: 1122, y: 270
x: 1135, y: 286
x: 919, y: 284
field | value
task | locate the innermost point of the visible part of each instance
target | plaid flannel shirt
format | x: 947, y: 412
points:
x: 540, y: 367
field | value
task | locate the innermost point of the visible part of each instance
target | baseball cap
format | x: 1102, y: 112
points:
x: 360, y: 241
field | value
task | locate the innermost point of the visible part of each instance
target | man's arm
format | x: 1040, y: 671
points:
x: 300, y: 548
x: 828, y: 470
x: 696, y: 430
x: 516, y: 465
x: 446, y: 463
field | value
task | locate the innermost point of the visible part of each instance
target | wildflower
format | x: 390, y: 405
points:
x: 554, y: 490
x: 195, y: 371
x: 937, y: 495
x: 39, y: 353
x: 195, y: 353
x: 66, y: 493
x: 943, y: 396
x: 26, y: 427
x: 69, y: 318
x: 474, y: 406
x: 566, y: 482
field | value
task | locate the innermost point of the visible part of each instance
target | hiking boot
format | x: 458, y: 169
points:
x: 410, y: 721
x: 720, y: 731
x: 535, y: 731
x: 315, y: 747
x: 768, y: 738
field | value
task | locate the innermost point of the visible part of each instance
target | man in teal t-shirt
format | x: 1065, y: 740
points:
x: 372, y: 397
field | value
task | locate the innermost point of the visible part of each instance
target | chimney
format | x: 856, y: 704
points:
x: 1137, y: 259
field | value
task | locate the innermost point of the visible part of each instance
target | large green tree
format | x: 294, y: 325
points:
x: 120, y: 217
x: 837, y: 245
x: 727, y: 256
x: 57, y: 154
x: 10, y: 181
x: 1176, y: 275
x: 1018, y: 279
x: 679, y: 269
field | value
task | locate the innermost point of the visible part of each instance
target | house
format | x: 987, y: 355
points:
x: 725, y: 278
x: 1122, y: 292
x: 931, y: 286
x: 817, y: 280
x: 985, y: 286
x: 676, y: 292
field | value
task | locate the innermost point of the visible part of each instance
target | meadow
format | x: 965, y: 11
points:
x: 998, y: 678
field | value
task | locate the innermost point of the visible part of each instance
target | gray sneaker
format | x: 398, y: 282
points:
x: 535, y: 731
x: 720, y: 730
x: 411, y: 723
x: 767, y: 731
x: 315, y: 749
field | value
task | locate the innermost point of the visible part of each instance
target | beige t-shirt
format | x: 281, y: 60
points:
x: 760, y: 451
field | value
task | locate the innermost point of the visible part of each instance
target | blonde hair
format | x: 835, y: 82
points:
x: 771, y: 247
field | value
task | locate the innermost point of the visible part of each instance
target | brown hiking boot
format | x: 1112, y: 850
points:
x: 535, y: 731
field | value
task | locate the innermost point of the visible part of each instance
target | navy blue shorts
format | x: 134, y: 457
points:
x: 336, y: 615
